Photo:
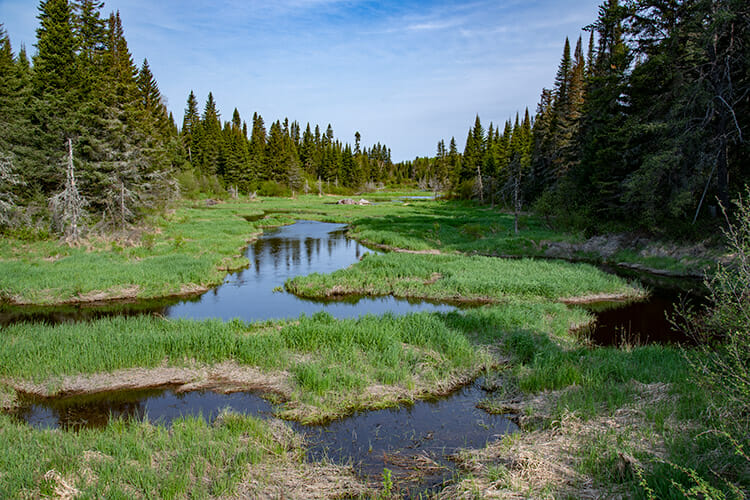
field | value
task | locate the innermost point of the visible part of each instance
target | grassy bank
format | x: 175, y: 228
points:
x: 186, y: 251
x: 602, y: 423
x: 456, y: 277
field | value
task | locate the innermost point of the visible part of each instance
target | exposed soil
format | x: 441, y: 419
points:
x: 602, y: 297
x: 124, y: 293
x: 226, y: 377
x: 606, y: 247
x: 389, y: 248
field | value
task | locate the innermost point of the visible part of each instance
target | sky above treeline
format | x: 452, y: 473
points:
x: 406, y: 73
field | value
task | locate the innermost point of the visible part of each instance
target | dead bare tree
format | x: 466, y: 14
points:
x: 8, y: 179
x: 480, y: 187
x: 67, y: 205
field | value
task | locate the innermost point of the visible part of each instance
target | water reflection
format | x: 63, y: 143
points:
x: 161, y: 405
x: 647, y: 321
x: 295, y: 250
x: 255, y: 293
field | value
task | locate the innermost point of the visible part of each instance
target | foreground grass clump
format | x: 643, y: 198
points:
x: 456, y: 277
x: 134, y: 459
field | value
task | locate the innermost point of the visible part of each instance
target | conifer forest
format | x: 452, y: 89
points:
x: 203, y: 304
x: 646, y: 116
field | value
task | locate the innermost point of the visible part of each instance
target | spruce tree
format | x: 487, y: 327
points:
x: 257, y: 148
x: 190, y: 126
x: 148, y: 90
x: 54, y: 64
x: 210, y: 137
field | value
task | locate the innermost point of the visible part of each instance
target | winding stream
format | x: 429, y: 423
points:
x: 404, y: 439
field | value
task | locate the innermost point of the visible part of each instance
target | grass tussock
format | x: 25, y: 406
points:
x: 140, y: 460
x: 457, y: 277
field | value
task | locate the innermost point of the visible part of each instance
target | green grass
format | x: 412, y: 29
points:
x: 193, y: 246
x: 136, y: 459
x: 331, y: 363
x: 456, y: 277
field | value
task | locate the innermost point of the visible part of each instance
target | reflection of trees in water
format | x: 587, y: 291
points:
x: 90, y: 411
x: 55, y: 315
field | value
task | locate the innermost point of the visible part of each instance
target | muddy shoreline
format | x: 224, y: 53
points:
x: 229, y: 377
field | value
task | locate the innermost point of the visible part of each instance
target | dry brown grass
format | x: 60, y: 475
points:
x: 604, y: 297
x: 546, y: 463
x: 225, y: 377
x: 290, y: 481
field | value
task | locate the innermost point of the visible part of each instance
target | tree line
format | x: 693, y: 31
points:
x: 85, y: 135
x: 646, y: 125
x: 283, y: 157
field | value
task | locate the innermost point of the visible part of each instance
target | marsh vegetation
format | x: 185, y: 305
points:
x: 316, y: 368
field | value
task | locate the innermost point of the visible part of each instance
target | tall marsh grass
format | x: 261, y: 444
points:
x: 459, y: 277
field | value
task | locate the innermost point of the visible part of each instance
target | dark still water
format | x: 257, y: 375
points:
x: 647, y: 321
x: 413, y: 441
x: 160, y: 405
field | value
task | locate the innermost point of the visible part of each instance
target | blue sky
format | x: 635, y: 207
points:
x: 404, y: 73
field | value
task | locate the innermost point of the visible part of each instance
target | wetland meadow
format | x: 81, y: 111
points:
x: 159, y: 366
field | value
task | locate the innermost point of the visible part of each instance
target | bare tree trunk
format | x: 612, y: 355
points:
x: 516, y: 201
x: 73, y: 205
x: 122, y: 203
x: 481, y: 188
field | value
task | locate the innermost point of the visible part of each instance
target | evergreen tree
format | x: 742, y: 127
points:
x: 602, y: 168
x: 190, y: 126
x: 473, y: 151
x: 54, y: 64
x: 257, y: 148
x: 148, y: 90
x: 210, y: 137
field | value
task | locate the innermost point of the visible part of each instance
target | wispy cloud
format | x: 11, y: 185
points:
x: 434, y: 25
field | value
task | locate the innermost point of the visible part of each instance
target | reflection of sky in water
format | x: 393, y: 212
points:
x: 434, y: 428
x: 279, y: 254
